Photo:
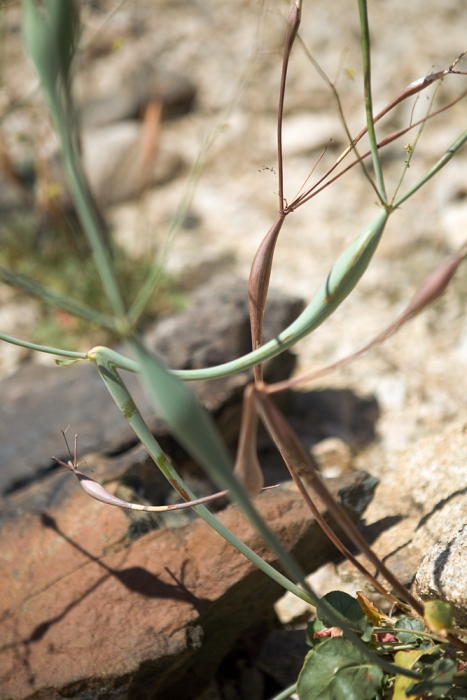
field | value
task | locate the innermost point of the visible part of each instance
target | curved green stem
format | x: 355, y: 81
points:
x: 341, y: 280
x: 286, y: 693
x: 125, y: 403
x: 43, y: 348
x: 222, y: 475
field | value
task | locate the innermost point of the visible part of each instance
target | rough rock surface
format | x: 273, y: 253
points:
x: 443, y: 575
x: 83, y: 615
x: 50, y: 398
x: 421, y: 499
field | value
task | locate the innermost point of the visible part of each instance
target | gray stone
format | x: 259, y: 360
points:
x: 421, y: 499
x: 114, y: 161
x: 443, y: 575
x: 129, y: 101
x: 38, y: 401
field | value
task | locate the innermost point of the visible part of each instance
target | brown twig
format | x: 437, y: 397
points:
x: 293, y: 25
x: 293, y: 452
x: 412, y: 89
x: 247, y: 468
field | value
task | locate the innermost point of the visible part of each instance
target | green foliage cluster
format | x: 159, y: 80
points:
x: 335, y: 670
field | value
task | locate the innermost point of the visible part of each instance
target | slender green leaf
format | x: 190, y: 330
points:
x: 122, y: 397
x: 45, y: 348
x: 50, y: 34
x: 50, y: 31
x: 57, y: 300
x: 336, y: 670
x: 365, y: 42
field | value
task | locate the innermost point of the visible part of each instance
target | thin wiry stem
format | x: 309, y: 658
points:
x: 292, y: 450
x: 411, y: 150
x: 340, y: 109
x: 43, y: 348
x: 440, y: 164
x: 365, y: 42
x: 334, y: 538
x: 316, y: 189
x: 292, y: 29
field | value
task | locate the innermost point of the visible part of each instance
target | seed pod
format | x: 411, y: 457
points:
x: 258, y: 284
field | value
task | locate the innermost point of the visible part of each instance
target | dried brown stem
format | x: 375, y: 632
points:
x: 412, y: 89
x: 247, y: 469
x: 315, y: 189
x: 335, y: 539
x: 258, y: 286
x: 293, y: 24
x: 294, y: 453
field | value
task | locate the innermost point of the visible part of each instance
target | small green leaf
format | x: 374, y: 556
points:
x: 66, y: 363
x: 349, y: 611
x: 409, y: 623
x: 336, y: 670
x: 439, y: 683
x: 438, y: 617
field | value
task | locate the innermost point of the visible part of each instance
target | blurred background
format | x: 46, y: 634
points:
x: 159, y: 84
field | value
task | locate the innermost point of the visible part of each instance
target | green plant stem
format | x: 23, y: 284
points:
x: 445, y: 158
x: 225, y: 478
x: 286, y: 693
x: 88, y: 215
x: 341, y: 280
x: 417, y: 633
x: 43, y: 348
x: 57, y: 300
x: 365, y: 42
x: 125, y: 403
x: 413, y: 146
